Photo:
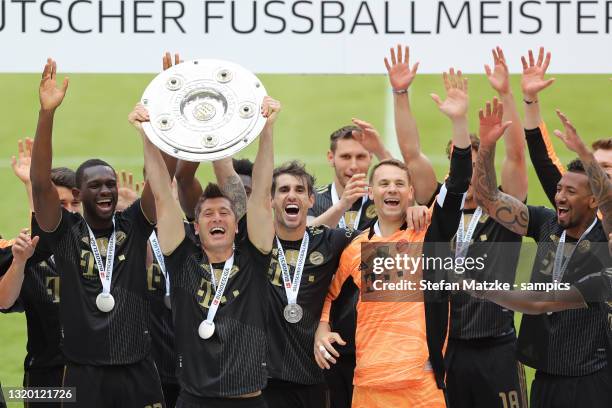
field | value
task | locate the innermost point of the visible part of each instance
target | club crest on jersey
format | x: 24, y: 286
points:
x: 584, y: 246
x: 370, y: 211
x: 316, y: 258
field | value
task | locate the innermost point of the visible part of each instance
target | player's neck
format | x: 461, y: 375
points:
x: 389, y: 227
x: 577, y: 231
x: 290, y: 234
x: 218, y: 255
x: 470, y: 205
x: 339, y: 186
x: 96, y: 223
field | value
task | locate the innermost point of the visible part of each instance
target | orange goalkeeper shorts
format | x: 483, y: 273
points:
x: 418, y: 394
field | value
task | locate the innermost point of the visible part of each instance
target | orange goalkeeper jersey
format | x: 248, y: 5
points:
x: 390, y: 340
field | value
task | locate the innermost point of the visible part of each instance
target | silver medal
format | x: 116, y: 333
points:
x: 206, y: 329
x: 293, y: 313
x: 105, y: 302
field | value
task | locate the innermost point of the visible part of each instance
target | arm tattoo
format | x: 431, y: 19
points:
x: 505, y: 209
x: 233, y: 188
x: 602, y: 190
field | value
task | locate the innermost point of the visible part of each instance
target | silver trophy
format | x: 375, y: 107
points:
x: 204, y: 110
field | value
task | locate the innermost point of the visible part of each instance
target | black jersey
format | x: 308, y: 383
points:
x: 39, y: 298
x: 473, y: 318
x: 90, y: 336
x: 291, y: 344
x: 162, y: 327
x: 323, y: 201
x: 233, y: 361
x: 571, y: 342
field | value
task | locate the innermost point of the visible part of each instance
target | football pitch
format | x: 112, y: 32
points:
x: 92, y: 122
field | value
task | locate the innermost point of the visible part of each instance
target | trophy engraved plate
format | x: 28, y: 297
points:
x: 204, y: 110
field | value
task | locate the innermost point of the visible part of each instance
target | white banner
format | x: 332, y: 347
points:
x: 302, y: 36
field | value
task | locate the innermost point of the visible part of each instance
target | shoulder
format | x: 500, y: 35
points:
x: 323, y: 189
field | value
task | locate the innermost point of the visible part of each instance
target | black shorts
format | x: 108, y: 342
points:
x: 339, y: 381
x: 485, y: 373
x: 43, y: 377
x: 171, y: 393
x: 188, y: 401
x: 133, y: 385
x: 284, y: 394
x: 592, y: 391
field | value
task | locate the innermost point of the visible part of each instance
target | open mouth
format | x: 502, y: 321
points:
x: 562, y: 212
x: 292, y: 209
x: 105, y: 204
x: 217, y: 231
x: 392, y: 202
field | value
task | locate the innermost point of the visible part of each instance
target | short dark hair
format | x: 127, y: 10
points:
x: 602, y: 144
x: 390, y: 162
x: 87, y: 164
x: 244, y: 167
x: 576, y: 166
x: 296, y: 169
x: 474, y: 141
x: 211, y: 191
x: 63, y: 177
x: 345, y: 132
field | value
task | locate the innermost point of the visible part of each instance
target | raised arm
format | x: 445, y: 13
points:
x: 601, y: 186
x: 260, y: 222
x: 45, y: 197
x: 170, y: 218
x: 188, y: 187
x: 505, y: 209
x: 514, y: 169
x: 231, y: 185
x: 10, y: 284
x: 21, y: 167
x: 369, y: 138
x: 421, y: 170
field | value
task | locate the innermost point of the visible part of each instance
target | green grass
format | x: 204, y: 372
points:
x: 92, y: 123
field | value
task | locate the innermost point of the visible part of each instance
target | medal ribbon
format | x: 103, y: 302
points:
x: 159, y: 256
x: 561, y: 264
x: 227, y: 268
x: 105, y: 272
x: 292, y: 288
x: 335, y: 199
x: 463, y: 237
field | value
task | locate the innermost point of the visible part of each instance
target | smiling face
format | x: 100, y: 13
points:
x: 216, y: 224
x: 291, y: 201
x: 98, y: 192
x: 391, y: 192
x: 574, y: 200
x: 349, y: 158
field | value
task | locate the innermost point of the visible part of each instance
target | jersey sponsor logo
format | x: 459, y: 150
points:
x: 52, y: 283
x: 89, y: 268
x: 206, y: 292
x: 155, y: 278
x: 275, y: 273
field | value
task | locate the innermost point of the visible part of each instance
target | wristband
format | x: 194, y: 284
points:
x: 400, y: 91
x: 530, y: 102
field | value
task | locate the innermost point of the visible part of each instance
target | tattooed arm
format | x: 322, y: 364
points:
x: 601, y: 186
x: 231, y: 185
x: 503, y: 208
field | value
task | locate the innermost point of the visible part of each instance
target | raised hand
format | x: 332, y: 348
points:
x: 355, y: 189
x: 50, y: 95
x: 533, y: 80
x: 491, y: 126
x: 400, y: 73
x: 167, y: 60
x: 21, y: 164
x: 367, y: 136
x: 457, y: 102
x: 499, y: 77
x: 138, y: 115
x: 127, y: 191
x: 570, y: 136
x: 24, y: 246
x: 270, y: 108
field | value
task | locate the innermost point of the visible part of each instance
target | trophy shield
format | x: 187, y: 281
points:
x: 204, y: 110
